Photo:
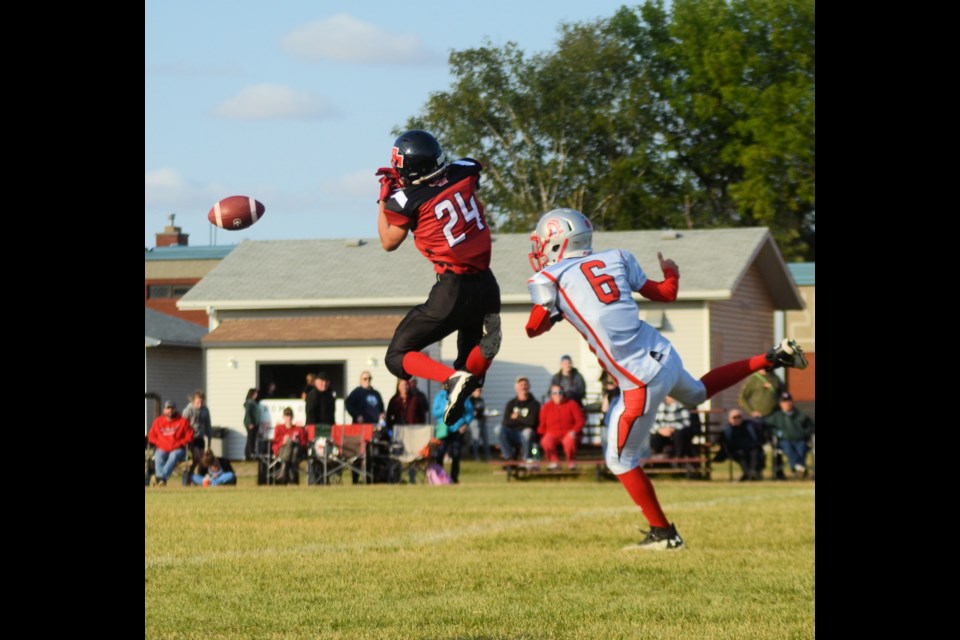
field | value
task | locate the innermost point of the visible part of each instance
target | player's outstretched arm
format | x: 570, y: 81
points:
x: 665, y: 291
x: 391, y: 236
x: 539, y: 321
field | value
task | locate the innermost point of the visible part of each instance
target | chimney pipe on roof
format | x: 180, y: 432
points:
x: 172, y: 235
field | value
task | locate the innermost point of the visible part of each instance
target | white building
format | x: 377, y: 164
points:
x: 281, y: 308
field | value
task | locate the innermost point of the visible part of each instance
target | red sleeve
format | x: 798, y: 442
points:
x: 542, y: 427
x: 665, y: 291
x: 397, y: 219
x: 152, y: 435
x: 278, y: 433
x: 303, y: 436
x: 539, y: 321
x: 577, y: 413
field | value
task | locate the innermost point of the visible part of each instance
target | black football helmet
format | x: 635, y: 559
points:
x: 418, y: 157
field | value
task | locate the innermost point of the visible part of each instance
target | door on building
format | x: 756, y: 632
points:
x: 290, y: 378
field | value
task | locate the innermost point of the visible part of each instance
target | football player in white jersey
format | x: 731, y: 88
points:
x: 593, y: 292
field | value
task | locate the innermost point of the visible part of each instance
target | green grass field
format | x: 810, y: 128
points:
x: 483, y: 559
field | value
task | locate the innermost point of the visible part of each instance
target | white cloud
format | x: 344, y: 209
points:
x: 274, y: 101
x: 356, y: 184
x: 347, y: 39
x: 168, y: 188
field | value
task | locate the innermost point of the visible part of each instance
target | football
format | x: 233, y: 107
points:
x: 236, y: 212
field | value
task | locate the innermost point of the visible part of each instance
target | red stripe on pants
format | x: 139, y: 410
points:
x: 634, y: 402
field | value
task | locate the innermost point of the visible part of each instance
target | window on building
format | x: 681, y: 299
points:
x: 167, y: 290
x: 290, y: 378
x: 158, y: 291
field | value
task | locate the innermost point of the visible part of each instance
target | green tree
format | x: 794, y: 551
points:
x: 700, y: 116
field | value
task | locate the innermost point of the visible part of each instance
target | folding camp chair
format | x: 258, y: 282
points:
x: 350, y: 444
x: 410, y: 441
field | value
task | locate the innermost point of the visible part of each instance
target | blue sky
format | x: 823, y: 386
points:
x: 293, y: 101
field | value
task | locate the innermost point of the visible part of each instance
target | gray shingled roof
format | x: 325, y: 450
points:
x: 162, y: 329
x: 317, y: 272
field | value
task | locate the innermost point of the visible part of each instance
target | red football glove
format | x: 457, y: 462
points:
x: 389, y: 182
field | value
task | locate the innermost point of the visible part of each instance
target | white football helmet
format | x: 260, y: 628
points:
x: 560, y: 233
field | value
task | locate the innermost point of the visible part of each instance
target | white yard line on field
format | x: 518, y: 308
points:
x: 420, y: 538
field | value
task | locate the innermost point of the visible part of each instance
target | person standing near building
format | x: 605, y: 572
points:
x: 251, y: 422
x: 422, y: 416
x: 364, y: 404
x: 321, y: 405
x: 478, y: 427
x: 569, y: 379
x: 198, y: 415
x: 451, y: 436
x: 760, y: 393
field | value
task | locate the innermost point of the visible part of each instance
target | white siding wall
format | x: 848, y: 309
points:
x: 802, y: 325
x: 741, y: 327
x: 537, y: 358
x: 173, y: 373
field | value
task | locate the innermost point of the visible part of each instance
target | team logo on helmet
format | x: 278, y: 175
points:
x: 396, y: 158
x: 554, y: 227
x: 237, y: 222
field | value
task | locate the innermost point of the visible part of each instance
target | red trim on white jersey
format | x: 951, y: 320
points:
x: 629, y: 376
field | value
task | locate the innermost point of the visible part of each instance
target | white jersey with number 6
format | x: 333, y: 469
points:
x: 594, y: 294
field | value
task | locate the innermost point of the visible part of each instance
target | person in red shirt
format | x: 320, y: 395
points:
x: 170, y: 433
x: 561, y: 421
x: 289, y: 444
x: 436, y: 200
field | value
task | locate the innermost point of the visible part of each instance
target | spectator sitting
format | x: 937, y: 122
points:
x: 561, y: 421
x: 289, y: 445
x: 792, y: 428
x: 671, y: 426
x: 364, y: 403
x: 170, y: 434
x: 198, y: 416
x: 742, y: 440
x: 569, y: 379
x: 211, y: 471
x: 451, y: 436
x: 520, y: 420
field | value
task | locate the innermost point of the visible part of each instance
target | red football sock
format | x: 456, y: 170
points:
x: 476, y: 363
x: 727, y: 375
x: 640, y: 488
x: 419, y: 365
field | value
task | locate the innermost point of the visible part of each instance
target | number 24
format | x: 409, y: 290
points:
x: 469, y: 213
